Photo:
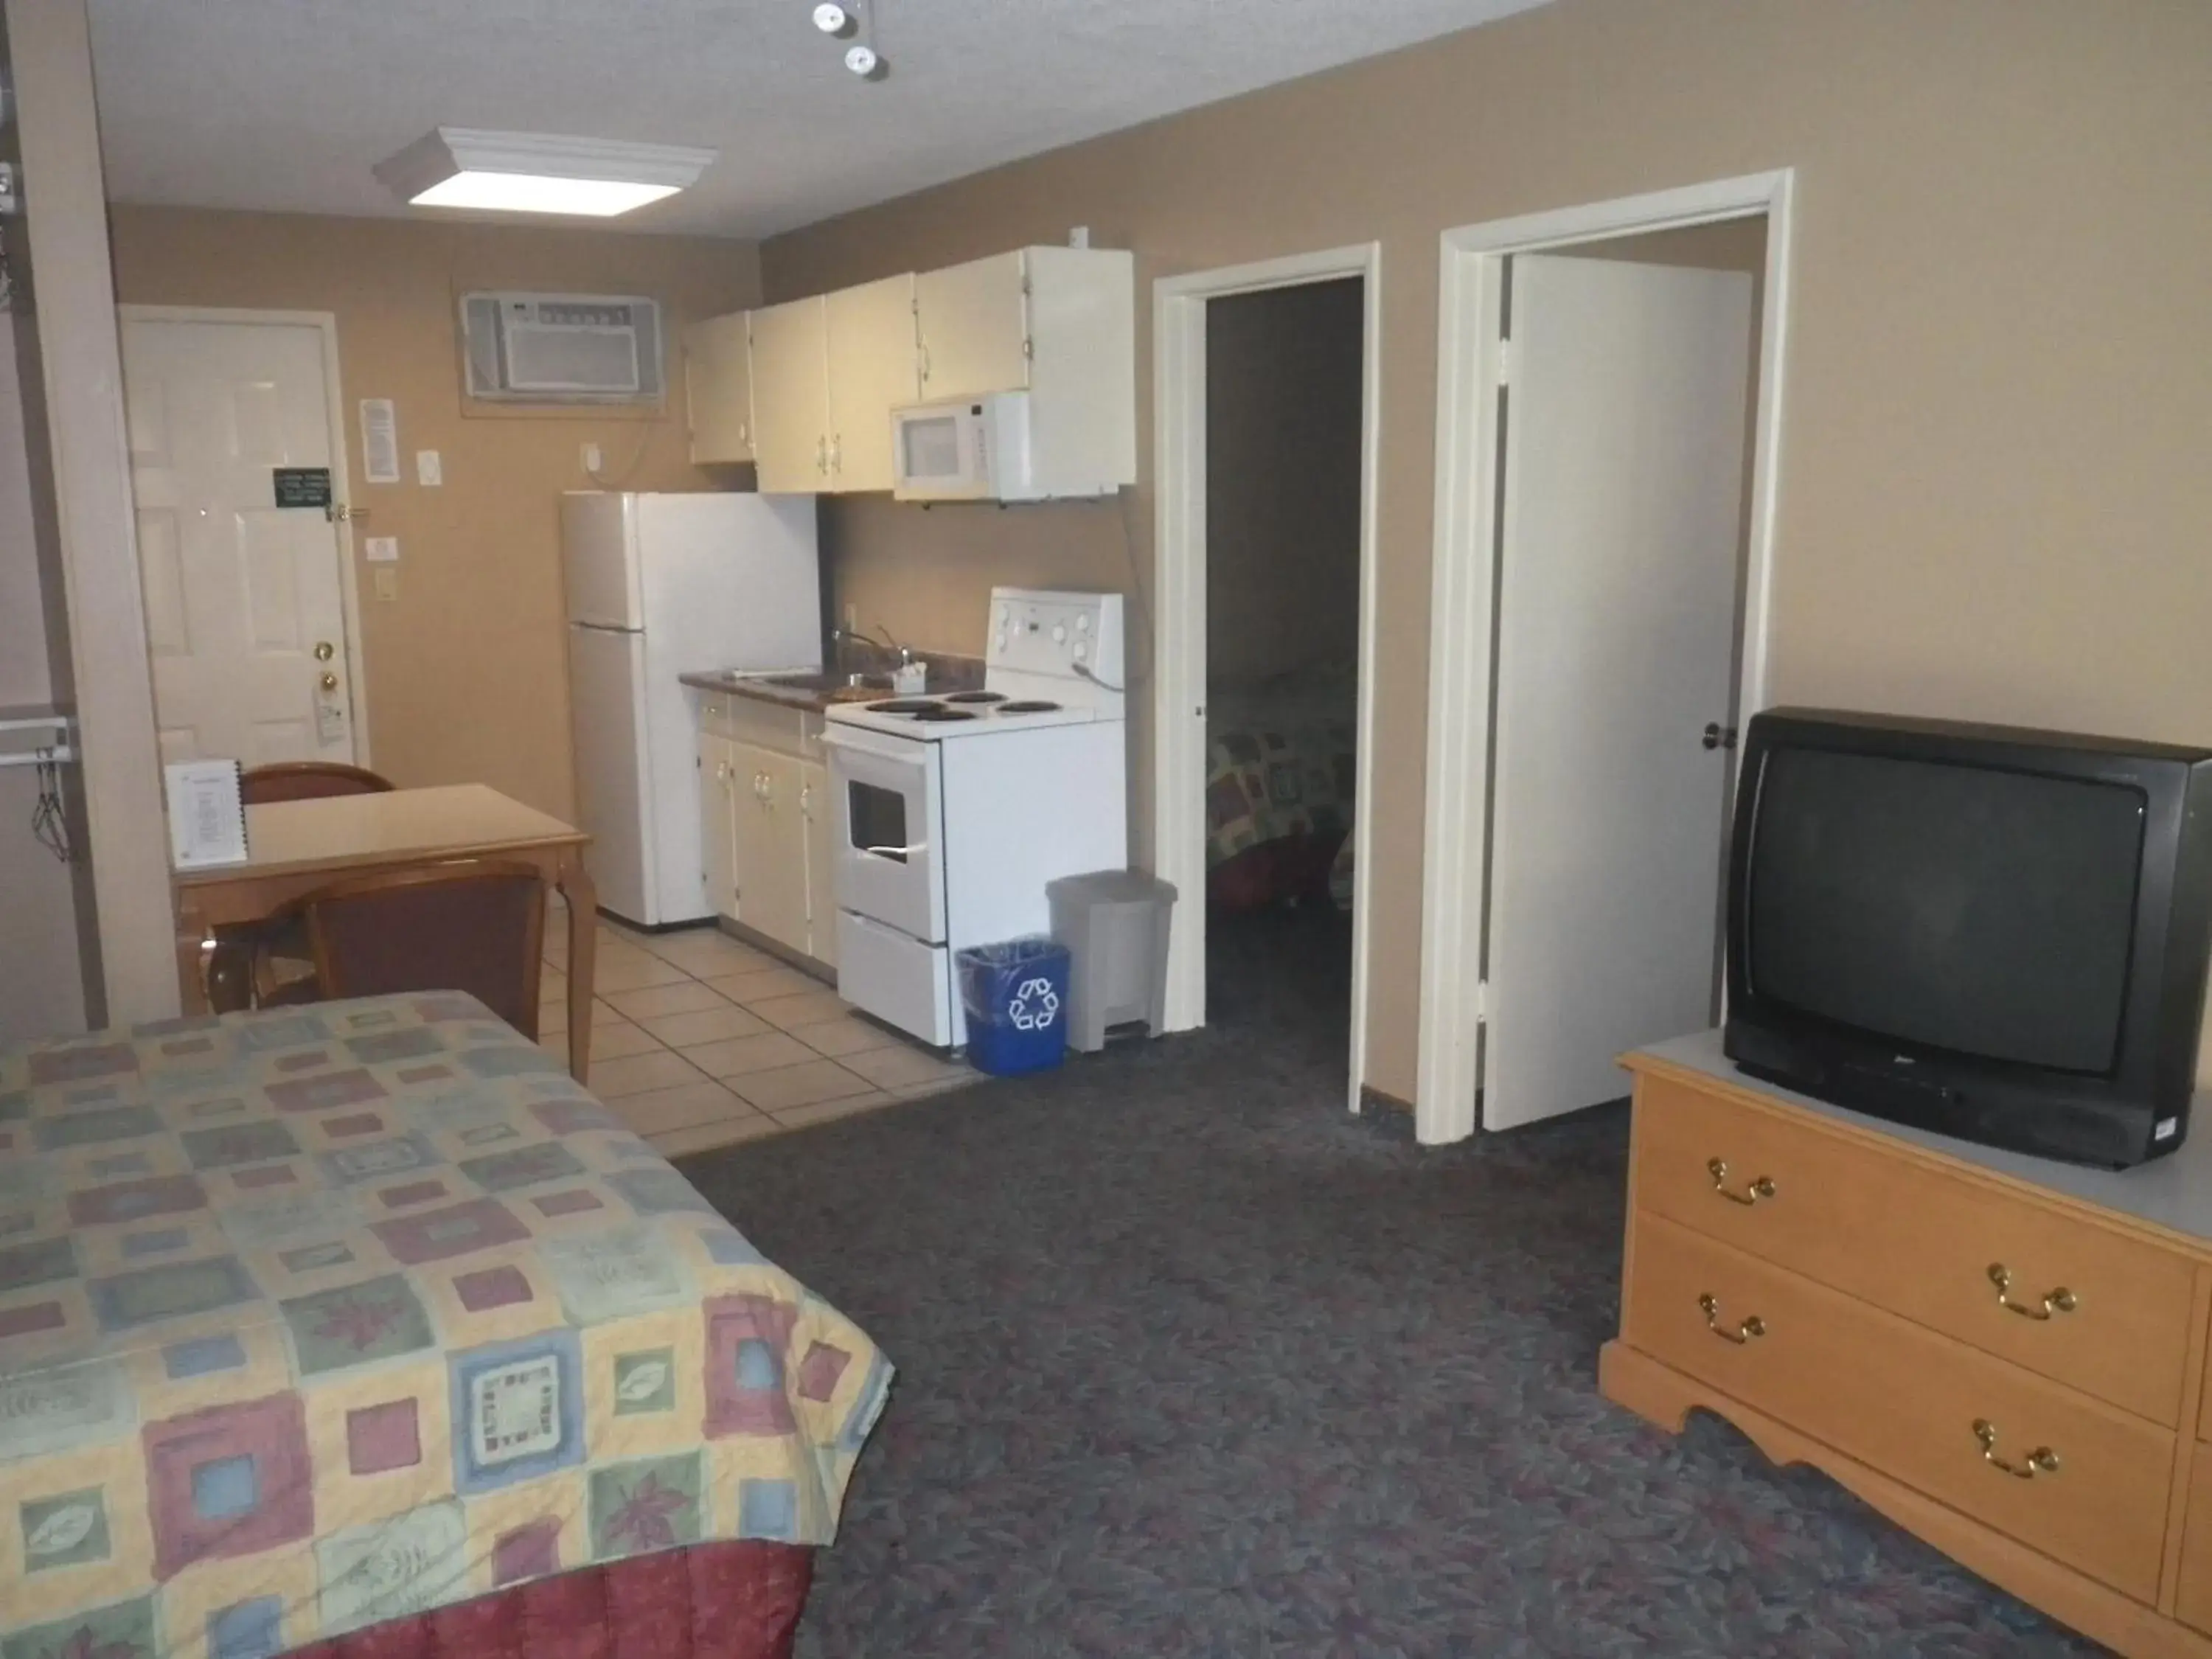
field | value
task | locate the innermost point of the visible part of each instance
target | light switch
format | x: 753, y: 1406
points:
x: 387, y: 581
x: 429, y: 469
x: 381, y: 549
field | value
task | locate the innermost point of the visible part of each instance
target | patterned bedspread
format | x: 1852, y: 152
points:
x: 312, y: 1319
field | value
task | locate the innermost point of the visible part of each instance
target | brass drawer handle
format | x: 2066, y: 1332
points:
x: 1762, y: 1188
x: 2060, y: 1301
x: 2041, y: 1461
x: 1752, y: 1326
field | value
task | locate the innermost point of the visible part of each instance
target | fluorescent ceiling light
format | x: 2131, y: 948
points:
x: 534, y: 173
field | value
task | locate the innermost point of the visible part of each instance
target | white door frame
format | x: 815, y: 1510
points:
x: 327, y: 323
x: 1454, y: 843
x: 1178, y: 674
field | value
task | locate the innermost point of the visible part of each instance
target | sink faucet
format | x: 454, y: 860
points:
x: 906, y: 651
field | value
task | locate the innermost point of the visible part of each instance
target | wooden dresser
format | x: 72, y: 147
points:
x: 2006, y: 1356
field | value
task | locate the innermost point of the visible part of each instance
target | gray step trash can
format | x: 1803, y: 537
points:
x: 1114, y: 924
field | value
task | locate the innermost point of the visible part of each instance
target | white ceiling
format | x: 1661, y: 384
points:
x: 285, y: 105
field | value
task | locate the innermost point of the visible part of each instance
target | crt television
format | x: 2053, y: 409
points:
x: 1993, y: 934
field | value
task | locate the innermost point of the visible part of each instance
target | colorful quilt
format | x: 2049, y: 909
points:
x: 314, y: 1318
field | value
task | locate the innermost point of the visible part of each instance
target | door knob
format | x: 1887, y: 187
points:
x: 324, y: 650
x: 1716, y: 736
x: 330, y: 682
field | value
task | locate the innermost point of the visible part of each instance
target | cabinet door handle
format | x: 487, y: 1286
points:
x: 2041, y: 1461
x: 822, y: 454
x: 837, y: 452
x: 925, y: 360
x: 2060, y: 1301
x: 1762, y: 1188
x: 1748, y: 1328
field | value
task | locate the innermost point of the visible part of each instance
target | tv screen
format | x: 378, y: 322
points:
x: 1991, y: 912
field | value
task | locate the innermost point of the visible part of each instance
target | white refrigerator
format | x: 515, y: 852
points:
x: 659, y: 586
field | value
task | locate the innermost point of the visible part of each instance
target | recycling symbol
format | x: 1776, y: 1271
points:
x: 1035, y: 1005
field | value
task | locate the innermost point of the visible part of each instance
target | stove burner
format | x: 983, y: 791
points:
x: 977, y: 696
x: 1028, y: 707
x: 939, y: 711
x: 905, y: 706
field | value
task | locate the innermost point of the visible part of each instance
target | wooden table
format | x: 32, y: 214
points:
x: 299, y: 846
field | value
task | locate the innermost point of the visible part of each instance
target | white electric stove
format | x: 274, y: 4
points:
x: 953, y: 811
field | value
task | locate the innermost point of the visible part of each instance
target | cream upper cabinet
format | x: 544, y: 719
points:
x: 872, y: 371
x: 974, y: 322
x: 791, y: 398
x: 1059, y: 323
x: 718, y: 388
x: 809, y: 398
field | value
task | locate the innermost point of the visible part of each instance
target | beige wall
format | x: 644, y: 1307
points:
x: 78, y: 478
x: 41, y: 990
x: 1282, y: 479
x: 1992, y: 502
x: 466, y: 670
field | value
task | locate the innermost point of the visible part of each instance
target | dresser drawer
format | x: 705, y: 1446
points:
x: 1907, y: 1401
x: 1923, y: 1243
x: 2196, y: 1605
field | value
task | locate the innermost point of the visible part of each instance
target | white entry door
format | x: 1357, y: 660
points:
x: 1620, y: 543
x: 245, y: 614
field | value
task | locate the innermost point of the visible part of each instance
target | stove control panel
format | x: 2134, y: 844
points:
x: 1070, y: 636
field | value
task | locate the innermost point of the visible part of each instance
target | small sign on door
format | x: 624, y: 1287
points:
x: 302, y: 486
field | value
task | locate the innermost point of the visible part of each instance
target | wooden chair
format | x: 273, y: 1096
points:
x: 473, y: 925
x: 243, y: 971
x: 309, y: 780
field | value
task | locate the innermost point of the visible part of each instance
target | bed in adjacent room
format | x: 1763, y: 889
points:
x: 1279, y: 782
x: 361, y: 1328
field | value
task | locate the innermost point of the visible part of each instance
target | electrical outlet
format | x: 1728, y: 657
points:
x: 387, y: 581
x: 591, y: 457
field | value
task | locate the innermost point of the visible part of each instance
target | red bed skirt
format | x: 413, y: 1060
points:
x: 725, y: 1600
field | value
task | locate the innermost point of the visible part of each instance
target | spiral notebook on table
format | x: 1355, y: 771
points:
x: 207, y: 813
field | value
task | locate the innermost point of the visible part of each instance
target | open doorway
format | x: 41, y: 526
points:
x: 1604, y: 533
x: 1283, y: 389
x: 1284, y: 428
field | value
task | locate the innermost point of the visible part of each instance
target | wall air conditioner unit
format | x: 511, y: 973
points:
x: 562, y: 348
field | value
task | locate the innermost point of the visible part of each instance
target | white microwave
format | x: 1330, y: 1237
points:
x: 974, y: 449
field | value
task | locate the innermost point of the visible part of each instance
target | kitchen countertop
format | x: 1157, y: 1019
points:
x: 947, y: 674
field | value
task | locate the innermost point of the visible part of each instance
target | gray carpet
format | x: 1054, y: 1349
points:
x: 1194, y: 1362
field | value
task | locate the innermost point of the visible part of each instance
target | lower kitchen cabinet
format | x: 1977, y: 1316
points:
x: 717, y: 824
x: 821, y: 815
x: 770, y: 847
x: 767, y: 823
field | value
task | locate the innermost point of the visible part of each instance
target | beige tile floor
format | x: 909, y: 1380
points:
x: 699, y: 1041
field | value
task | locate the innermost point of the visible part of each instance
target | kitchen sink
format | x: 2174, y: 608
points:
x: 837, y: 688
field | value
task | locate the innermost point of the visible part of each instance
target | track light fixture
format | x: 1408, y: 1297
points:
x: 853, y: 20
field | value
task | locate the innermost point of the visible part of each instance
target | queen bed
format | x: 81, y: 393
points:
x: 361, y: 1330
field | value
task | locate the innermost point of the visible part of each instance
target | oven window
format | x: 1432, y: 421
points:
x: 878, y: 820
x: 933, y: 447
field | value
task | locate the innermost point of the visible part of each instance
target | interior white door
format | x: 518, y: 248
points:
x: 245, y: 611
x: 1620, y: 545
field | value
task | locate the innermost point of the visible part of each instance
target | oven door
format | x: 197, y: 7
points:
x: 887, y: 861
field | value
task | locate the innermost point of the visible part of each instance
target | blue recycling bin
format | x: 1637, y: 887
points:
x: 1016, y: 996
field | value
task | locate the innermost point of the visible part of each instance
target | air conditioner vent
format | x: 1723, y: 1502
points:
x: 562, y: 348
